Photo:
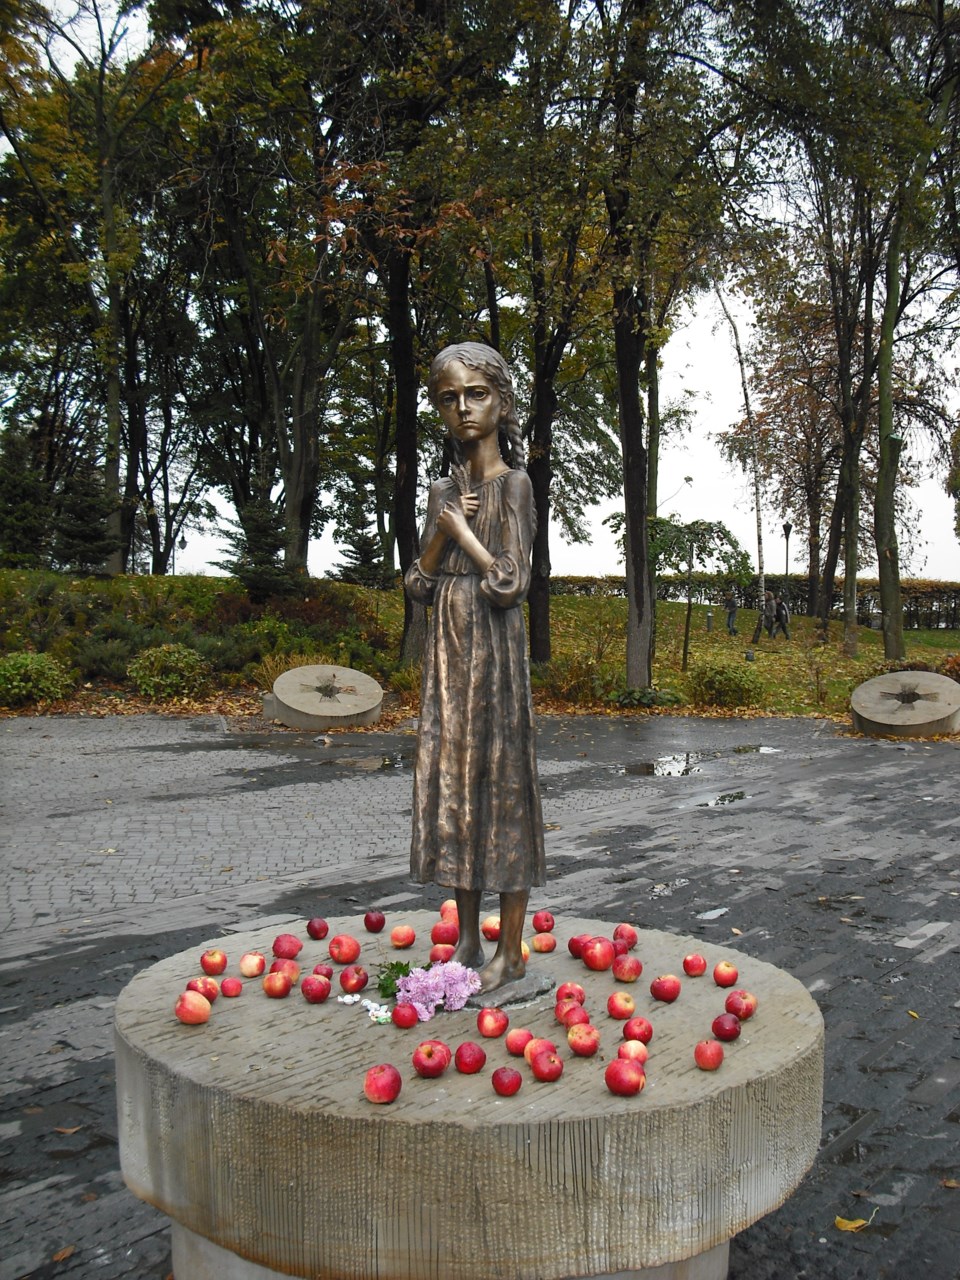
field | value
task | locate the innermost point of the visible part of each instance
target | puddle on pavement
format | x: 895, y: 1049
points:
x: 675, y: 766
x: 370, y: 764
x: 763, y: 751
x: 725, y: 797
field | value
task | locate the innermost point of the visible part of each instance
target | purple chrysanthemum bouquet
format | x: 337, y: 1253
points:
x: 449, y: 985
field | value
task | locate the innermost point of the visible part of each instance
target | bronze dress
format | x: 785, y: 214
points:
x: 476, y: 795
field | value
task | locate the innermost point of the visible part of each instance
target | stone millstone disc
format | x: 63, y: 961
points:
x: 325, y: 697
x: 907, y: 704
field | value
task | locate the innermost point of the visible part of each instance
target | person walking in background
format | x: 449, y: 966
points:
x: 769, y: 612
x: 781, y: 617
x: 730, y: 604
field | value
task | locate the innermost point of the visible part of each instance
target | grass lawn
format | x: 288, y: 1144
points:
x: 799, y: 676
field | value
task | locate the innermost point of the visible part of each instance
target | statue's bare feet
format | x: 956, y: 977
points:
x: 471, y: 957
x: 499, y: 972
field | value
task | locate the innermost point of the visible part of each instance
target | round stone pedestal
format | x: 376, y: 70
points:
x: 253, y: 1134
x: 906, y: 704
x: 324, y: 697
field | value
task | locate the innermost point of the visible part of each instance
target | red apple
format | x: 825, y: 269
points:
x: 624, y: 1076
x: 469, y: 1058
x: 441, y: 953
x: 277, y: 985
x: 192, y: 1008
x: 563, y: 1008
x: 506, y: 1081
x: 206, y: 986
x: 492, y: 1022
x: 628, y: 934
x: 445, y: 931
x: 725, y: 973
x: 571, y: 991
x: 543, y: 942
x: 286, y: 946
x: 442, y: 1048
x: 343, y: 949
x: 708, y: 1055
x: 213, y: 961
x: 598, y: 953
x: 288, y: 967
x: 323, y: 970
x: 543, y: 921
x: 577, y: 943
x: 620, y: 1005
x: 524, y: 951
x: 742, y: 1003
x: 430, y: 1059
x: 583, y: 1039
x: 374, y: 921
x: 402, y: 936
x: 638, y: 1029
x: 538, y: 1044
x: 665, y: 988
x: 620, y: 948
x: 252, y: 964
x: 382, y: 1083
x: 626, y: 968
x: 517, y: 1039
x: 449, y: 910
x: 726, y: 1026
x: 694, y: 964
x: 231, y: 987
x: 318, y: 928
x: 576, y: 1016
x: 354, y: 978
x: 634, y: 1049
x: 547, y: 1066
x: 490, y: 928
x: 404, y: 1015
x: 315, y: 988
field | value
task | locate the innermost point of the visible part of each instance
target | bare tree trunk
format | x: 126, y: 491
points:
x: 754, y: 452
x: 403, y: 361
x: 884, y: 515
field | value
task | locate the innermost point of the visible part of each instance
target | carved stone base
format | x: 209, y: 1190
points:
x: 195, y: 1258
x: 253, y: 1134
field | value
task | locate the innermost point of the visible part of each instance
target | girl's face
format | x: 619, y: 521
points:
x: 469, y: 404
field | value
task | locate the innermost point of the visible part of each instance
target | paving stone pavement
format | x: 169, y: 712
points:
x: 838, y: 858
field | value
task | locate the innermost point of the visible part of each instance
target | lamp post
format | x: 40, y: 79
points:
x: 182, y: 544
x: 787, y: 526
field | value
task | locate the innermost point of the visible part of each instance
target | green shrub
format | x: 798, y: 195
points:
x: 32, y: 677
x: 573, y: 679
x: 169, y: 671
x: 406, y: 679
x: 104, y: 659
x: 649, y: 697
x: 724, y: 685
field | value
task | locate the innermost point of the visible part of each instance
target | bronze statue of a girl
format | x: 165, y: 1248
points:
x: 476, y: 811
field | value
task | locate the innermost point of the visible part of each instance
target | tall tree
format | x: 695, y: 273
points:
x: 73, y: 116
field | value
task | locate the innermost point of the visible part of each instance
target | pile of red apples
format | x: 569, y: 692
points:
x: 525, y: 1054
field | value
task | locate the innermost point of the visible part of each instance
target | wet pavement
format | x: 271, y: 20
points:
x: 837, y: 858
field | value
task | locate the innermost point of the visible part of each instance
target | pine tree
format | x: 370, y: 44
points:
x: 24, y: 504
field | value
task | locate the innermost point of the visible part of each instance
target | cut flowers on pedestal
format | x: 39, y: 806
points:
x: 448, y: 985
